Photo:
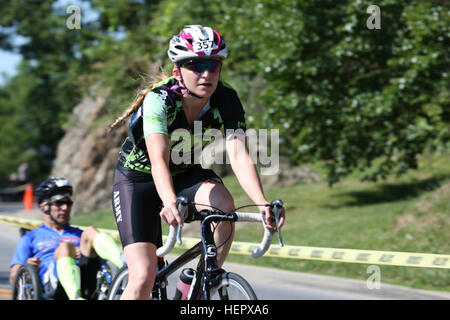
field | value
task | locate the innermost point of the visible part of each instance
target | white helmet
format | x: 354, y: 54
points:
x: 196, y: 41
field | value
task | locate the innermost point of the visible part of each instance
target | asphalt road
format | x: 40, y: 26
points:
x: 269, y: 284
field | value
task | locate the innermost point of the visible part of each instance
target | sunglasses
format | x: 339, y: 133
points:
x: 60, y: 203
x: 199, y: 66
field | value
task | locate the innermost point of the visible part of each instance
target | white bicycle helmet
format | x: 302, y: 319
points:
x: 196, y: 41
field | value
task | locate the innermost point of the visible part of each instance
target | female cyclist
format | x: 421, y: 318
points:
x: 147, y: 177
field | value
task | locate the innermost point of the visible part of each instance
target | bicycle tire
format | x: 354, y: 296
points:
x: 112, y: 268
x: 232, y: 286
x: 27, y: 284
x: 118, y: 284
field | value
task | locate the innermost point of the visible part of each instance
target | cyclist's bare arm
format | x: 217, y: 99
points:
x: 158, y: 148
x: 12, y: 273
x: 247, y: 175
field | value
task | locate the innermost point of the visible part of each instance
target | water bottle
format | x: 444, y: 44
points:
x: 184, y: 284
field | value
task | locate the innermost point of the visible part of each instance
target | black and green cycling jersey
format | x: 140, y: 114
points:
x: 162, y: 112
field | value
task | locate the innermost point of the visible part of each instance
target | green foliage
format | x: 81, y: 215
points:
x: 340, y: 92
x: 36, y: 103
x: 354, y: 98
x: 337, y: 91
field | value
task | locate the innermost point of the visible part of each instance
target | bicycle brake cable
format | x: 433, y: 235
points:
x: 206, y: 205
x: 253, y: 205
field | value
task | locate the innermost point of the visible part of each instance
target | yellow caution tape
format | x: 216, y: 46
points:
x: 15, y: 189
x: 20, y: 222
x: 393, y: 258
x: 33, y: 223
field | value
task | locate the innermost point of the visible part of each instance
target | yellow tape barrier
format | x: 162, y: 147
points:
x: 393, y: 258
x: 15, y: 189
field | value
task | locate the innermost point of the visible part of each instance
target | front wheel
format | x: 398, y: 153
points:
x: 118, y: 284
x: 232, y: 287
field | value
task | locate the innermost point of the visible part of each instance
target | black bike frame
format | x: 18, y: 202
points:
x: 207, y: 269
x: 164, y: 271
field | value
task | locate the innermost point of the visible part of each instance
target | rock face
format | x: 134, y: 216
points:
x: 86, y: 156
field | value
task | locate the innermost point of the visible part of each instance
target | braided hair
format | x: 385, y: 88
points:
x: 138, y: 100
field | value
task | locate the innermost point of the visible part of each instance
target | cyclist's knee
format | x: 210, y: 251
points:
x: 89, y: 234
x: 142, y: 276
x: 65, y: 249
x: 225, y: 204
x: 141, y: 279
x: 142, y: 264
x: 87, y: 242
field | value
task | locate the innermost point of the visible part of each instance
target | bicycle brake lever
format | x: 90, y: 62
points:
x: 276, y: 206
x: 182, y: 205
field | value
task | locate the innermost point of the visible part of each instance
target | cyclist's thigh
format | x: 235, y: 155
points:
x: 214, y: 194
x: 203, y: 186
x: 136, y: 206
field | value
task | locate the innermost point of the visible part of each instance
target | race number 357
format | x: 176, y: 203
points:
x: 203, y: 45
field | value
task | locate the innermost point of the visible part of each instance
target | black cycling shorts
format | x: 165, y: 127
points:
x: 136, y: 203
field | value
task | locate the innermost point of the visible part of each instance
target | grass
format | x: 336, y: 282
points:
x: 410, y: 213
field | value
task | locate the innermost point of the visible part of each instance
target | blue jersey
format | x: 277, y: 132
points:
x: 42, y: 243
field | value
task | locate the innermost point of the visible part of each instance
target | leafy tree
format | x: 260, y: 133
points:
x: 39, y: 99
x: 339, y: 92
x: 15, y: 136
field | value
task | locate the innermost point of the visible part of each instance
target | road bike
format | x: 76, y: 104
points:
x: 208, y: 281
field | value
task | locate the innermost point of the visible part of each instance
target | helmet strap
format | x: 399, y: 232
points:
x: 47, y: 212
x: 45, y: 203
x: 56, y: 222
x: 184, y: 85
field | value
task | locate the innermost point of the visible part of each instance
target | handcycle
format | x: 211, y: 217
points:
x: 27, y: 283
x: 208, y: 281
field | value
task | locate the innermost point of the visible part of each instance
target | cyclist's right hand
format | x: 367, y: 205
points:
x: 170, y: 215
x: 34, y: 261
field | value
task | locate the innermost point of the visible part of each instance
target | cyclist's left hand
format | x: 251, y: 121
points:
x: 270, y: 224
